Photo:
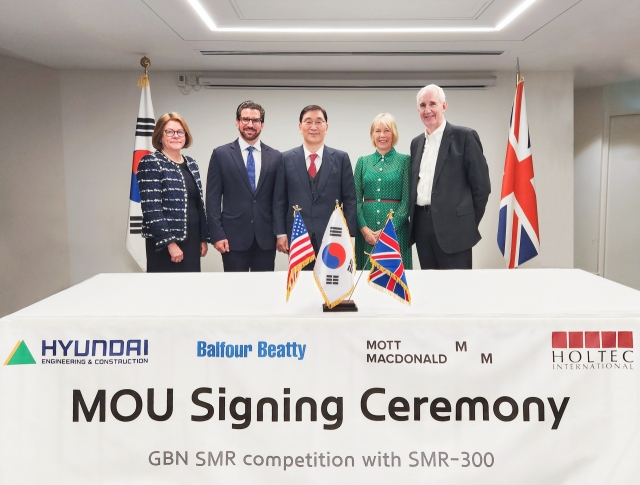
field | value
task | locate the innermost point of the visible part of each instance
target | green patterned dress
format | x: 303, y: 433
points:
x: 383, y: 182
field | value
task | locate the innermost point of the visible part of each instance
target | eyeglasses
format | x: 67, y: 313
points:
x: 171, y: 133
x: 311, y: 122
x: 246, y: 121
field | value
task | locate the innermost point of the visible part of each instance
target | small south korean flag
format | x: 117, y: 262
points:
x: 335, y: 263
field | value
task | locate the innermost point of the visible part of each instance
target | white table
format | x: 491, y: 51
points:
x: 483, y: 334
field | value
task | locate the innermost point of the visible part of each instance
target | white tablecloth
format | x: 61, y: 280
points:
x: 489, y: 377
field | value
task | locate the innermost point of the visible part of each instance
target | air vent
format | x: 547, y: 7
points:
x: 353, y: 54
x: 345, y: 80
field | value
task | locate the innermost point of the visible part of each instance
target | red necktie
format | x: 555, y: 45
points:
x: 312, y: 166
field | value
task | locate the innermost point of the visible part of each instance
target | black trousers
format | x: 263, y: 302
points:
x: 316, y: 246
x: 430, y: 254
x: 253, y: 259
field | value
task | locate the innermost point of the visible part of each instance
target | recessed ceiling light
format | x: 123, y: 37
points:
x: 364, y: 30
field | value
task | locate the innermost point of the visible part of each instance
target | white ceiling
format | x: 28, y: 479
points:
x: 597, y: 40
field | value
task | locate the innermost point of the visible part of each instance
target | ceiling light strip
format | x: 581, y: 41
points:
x: 513, y: 15
x: 203, y: 14
x: 366, y: 30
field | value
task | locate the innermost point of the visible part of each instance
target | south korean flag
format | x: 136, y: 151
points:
x: 335, y: 267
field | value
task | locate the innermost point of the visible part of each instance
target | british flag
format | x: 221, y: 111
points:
x: 518, y: 232
x: 387, y: 269
x: 300, y: 251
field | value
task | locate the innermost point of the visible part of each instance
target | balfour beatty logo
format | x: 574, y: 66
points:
x: 592, y: 350
x: 20, y: 355
x: 269, y: 350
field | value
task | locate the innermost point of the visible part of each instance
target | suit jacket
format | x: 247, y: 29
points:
x: 293, y: 188
x: 163, y: 196
x: 234, y: 211
x: 460, y: 190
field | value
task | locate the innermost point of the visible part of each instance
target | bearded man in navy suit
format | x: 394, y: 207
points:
x: 313, y: 177
x: 239, y: 202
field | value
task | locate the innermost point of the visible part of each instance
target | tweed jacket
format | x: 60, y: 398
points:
x: 163, y: 196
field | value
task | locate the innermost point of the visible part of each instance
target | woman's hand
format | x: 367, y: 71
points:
x: 204, y: 247
x: 371, y: 237
x: 175, y: 252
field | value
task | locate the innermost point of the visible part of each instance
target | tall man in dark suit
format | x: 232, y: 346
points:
x: 240, y: 185
x: 313, y: 177
x: 450, y: 187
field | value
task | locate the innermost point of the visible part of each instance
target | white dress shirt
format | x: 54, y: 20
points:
x: 428, y: 164
x: 318, y: 159
x: 257, y: 155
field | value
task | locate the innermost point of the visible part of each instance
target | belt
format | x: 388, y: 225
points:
x: 383, y: 200
x: 426, y: 208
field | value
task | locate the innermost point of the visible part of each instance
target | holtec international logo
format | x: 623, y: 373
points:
x: 20, y: 355
x: 592, y: 350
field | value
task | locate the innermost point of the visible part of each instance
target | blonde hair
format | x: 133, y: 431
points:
x: 156, y: 138
x: 387, y: 120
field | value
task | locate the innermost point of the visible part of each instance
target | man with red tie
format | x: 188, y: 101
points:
x: 313, y: 177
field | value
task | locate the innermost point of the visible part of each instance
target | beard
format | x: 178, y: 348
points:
x: 249, y: 135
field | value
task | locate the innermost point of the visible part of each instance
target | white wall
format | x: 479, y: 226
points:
x: 34, y: 253
x: 589, y: 125
x: 66, y: 141
x: 593, y: 112
x: 99, y: 111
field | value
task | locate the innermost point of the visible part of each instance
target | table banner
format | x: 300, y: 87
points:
x: 318, y: 400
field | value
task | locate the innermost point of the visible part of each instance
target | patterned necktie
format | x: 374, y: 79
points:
x: 312, y: 166
x: 251, y: 168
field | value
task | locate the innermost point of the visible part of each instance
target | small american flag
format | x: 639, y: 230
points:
x: 300, y: 250
x: 387, y: 269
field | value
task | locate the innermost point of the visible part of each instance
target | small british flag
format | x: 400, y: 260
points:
x: 387, y: 269
x: 300, y: 251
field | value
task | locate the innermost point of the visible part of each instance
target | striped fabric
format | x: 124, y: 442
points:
x: 163, y: 196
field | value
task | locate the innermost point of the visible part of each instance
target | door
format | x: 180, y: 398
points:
x: 622, y: 231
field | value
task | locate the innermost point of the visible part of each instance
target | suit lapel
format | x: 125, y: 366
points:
x: 237, y: 157
x: 442, y: 153
x: 301, y: 167
x: 325, y: 168
x: 264, y: 166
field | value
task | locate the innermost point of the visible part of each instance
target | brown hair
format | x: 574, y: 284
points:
x: 156, y: 138
x: 249, y: 105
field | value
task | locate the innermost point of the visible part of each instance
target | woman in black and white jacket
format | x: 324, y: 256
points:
x: 173, y: 217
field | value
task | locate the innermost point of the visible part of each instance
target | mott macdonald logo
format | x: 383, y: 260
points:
x: 83, y: 352
x: 607, y: 350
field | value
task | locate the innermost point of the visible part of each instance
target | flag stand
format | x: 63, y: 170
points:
x: 343, y: 306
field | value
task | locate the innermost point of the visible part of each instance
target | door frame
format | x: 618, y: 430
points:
x: 604, y: 181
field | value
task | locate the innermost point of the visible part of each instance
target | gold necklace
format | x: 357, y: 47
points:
x: 167, y: 155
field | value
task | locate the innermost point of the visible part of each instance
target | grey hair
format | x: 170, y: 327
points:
x: 435, y: 87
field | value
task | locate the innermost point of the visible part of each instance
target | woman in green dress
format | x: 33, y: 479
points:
x: 383, y: 182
